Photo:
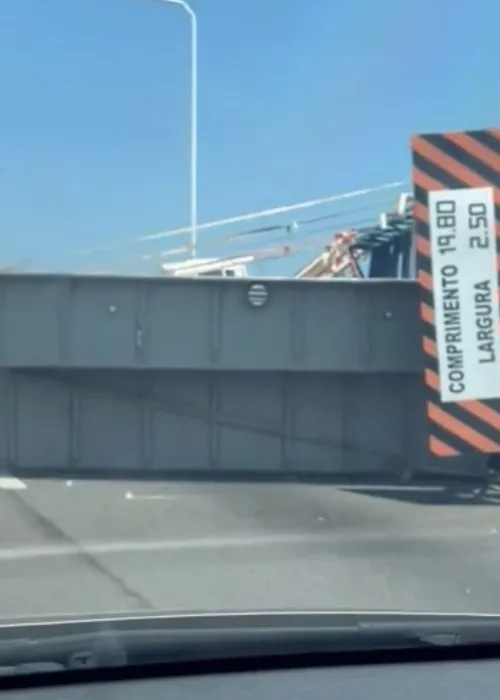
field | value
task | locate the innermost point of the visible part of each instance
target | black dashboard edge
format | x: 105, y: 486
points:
x: 278, y: 662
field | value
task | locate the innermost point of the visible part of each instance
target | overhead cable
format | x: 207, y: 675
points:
x: 242, y: 217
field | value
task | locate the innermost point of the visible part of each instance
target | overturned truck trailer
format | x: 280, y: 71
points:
x: 290, y: 378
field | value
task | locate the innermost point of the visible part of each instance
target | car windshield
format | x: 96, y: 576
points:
x: 249, y: 337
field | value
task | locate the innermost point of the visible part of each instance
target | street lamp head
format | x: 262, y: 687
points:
x: 183, y: 3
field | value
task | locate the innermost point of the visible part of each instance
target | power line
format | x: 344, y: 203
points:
x: 307, y: 241
x: 244, y: 217
x: 292, y: 228
x: 347, y: 219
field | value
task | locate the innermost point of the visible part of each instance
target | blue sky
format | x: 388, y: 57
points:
x: 298, y: 99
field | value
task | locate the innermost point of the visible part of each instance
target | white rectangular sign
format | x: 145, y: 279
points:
x: 464, y: 272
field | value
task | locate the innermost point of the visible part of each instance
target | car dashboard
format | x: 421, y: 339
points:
x: 411, y: 681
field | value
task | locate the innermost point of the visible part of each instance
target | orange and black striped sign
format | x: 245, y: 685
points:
x: 456, y: 180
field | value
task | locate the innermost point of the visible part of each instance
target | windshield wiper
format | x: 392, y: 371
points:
x: 111, y: 642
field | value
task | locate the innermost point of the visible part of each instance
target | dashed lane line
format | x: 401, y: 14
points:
x: 11, y: 484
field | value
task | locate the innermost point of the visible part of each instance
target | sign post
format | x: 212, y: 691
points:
x: 456, y: 180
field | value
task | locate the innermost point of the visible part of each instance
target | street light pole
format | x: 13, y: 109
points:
x: 194, y: 124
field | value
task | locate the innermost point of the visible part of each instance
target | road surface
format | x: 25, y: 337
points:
x: 81, y: 547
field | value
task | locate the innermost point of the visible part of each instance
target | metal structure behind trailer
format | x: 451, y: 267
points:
x: 384, y: 250
x: 207, y: 267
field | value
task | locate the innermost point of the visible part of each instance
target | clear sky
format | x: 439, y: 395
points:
x: 298, y: 99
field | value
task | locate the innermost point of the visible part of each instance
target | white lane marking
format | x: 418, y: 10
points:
x: 129, y: 496
x: 10, y: 483
x: 243, y: 541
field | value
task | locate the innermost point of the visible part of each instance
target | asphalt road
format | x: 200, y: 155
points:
x: 87, y: 547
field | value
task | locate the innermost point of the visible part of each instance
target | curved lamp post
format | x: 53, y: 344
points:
x: 194, y: 122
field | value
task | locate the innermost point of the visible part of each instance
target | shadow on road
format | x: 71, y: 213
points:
x: 445, y: 494
x: 429, y: 489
